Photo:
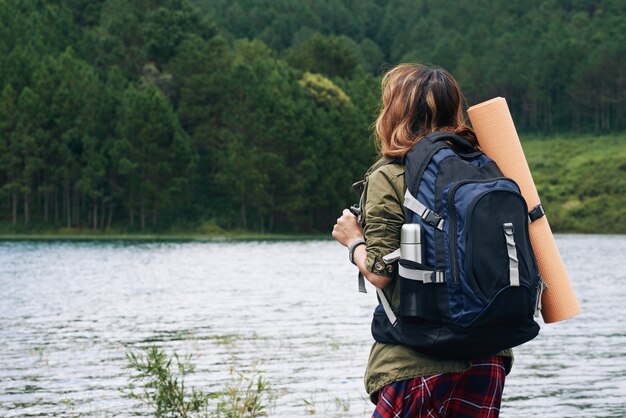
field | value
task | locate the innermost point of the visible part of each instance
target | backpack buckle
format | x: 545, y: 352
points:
x: 422, y: 211
x: 424, y: 276
x: 438, y: 277
x: 536, y: 213
x: 433, y: 219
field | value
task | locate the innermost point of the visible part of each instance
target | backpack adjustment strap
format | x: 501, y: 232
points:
x: 362, y: 288
x: 424, y: 276
x: 387, y: 307
x: 536, y: 213
x: 512, y: 253
x: 541, y: 286
x: 414, y: 205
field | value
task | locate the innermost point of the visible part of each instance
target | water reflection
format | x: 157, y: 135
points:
x: 289, y: 309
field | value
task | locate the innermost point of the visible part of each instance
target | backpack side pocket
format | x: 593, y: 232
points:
x: 423, y: 293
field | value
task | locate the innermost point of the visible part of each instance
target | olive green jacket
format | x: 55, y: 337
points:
x: 383, y: 216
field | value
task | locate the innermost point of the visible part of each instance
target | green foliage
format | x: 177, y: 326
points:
x: 558, y: 62
x: 243, y: 114
x: 163, y: 389
x: 329, y: 55
x: 581, y: 182
x: 153, y: 152
x: 158, y: 382
x: 324, y: 91
x: 167, y: 27
x: 246, y: 397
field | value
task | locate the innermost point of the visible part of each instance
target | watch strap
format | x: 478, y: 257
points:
x: 353, y: 247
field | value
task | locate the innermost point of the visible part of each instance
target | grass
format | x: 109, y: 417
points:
x: 158, y: 382
x: 581, y: 181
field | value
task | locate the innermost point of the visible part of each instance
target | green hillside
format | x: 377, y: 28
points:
x: 581, y: 181
x: 176, y: 115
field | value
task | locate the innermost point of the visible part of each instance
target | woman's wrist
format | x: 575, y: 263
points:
x: 352, y: 246
x: 354, y: 240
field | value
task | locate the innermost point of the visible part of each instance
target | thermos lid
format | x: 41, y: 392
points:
x: 411, y: 234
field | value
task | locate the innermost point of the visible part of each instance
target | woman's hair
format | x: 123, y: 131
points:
x: 417, y: 100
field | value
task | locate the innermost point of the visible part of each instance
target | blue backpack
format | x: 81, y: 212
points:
x: 477, y: 287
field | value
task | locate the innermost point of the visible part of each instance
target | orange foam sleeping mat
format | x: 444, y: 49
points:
x: 497, y: 137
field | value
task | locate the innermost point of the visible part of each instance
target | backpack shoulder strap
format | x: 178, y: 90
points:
x: 417, y: 159
x: 420, y: 154
x: 460, y: 144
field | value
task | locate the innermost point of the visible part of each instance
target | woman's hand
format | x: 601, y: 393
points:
x: 347, y: 230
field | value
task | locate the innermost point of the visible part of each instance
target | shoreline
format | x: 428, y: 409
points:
x: 189, y: 237
x: 146, y: 237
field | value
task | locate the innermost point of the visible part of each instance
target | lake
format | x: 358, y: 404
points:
x: 288, y: 310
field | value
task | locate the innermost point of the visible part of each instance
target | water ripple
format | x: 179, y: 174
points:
x: 70, y: 311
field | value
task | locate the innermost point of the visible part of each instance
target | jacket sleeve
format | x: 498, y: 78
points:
x: 384, y: 217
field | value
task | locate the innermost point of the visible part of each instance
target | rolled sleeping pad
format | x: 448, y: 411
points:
x: 497, y: 137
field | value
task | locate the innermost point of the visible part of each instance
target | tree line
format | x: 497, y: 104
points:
x: 559, y: 62
x: 168, y: 114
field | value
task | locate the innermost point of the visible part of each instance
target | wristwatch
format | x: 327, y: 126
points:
x: 352, y: 248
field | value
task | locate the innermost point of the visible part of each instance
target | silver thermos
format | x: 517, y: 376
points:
x: 411, y: 243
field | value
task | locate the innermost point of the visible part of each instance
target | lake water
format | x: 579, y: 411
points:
x: 290, y: 310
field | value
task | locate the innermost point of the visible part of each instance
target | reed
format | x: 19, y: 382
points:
x: 157, y: 381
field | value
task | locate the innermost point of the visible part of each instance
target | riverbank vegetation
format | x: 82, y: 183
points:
x: 158, y: 383
x: 581, y: 181
x: 198, y: 117
x: 89, y: 235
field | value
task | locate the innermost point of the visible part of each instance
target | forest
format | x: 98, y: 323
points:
x: 211, y: 115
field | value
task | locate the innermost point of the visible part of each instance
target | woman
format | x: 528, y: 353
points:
x: 416, y: 100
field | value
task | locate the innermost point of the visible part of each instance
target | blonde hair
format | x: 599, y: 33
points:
x: 417, y: 100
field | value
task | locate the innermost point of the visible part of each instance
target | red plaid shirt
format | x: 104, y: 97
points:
x: 475, y: 393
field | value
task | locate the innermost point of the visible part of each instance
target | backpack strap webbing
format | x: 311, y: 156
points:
x: 536, y: 213
x: 424, y: 276
x: 511, y: 249
x: 420, y: 209
x: 362, y: 288
x: 415, y: 165
x: 416, y: 162
x: 387, y: 307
